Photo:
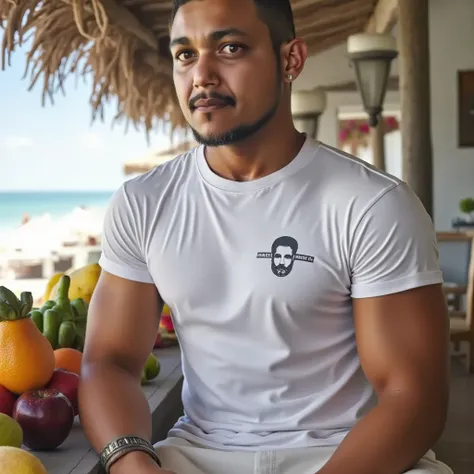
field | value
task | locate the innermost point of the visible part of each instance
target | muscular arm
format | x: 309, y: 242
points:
x: 122, y: 326
x: 403, y: 342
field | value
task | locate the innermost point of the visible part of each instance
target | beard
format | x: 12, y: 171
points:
x: 281, y: 270
x: 244, y: 131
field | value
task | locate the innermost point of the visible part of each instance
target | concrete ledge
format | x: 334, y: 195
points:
x: 76, y: 456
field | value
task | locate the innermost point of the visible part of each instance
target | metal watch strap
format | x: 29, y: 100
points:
x: 119, y: 447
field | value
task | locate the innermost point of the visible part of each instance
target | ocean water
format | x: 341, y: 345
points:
x: 14, y: 205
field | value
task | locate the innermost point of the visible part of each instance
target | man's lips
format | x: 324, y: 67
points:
x: 206, y: 105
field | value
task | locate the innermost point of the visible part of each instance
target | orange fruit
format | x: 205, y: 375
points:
x: 26, y: 356
x: 68, y: 359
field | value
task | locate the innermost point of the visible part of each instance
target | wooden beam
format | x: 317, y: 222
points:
x: 328, y: 16
x: 318, y: 45
x: 351, y: 86
x: 330, y: 32
x: 384, y: 17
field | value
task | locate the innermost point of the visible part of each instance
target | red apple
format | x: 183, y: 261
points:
x: 7, y: 401
x: 46, y: 417
x: 67, y: 383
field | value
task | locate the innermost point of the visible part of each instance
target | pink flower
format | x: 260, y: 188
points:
x: 391, y: 123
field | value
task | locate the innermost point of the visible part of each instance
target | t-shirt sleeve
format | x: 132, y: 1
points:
x: 394, y: 246
x: 122, y: 239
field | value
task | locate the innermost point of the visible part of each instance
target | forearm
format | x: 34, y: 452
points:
x: 391, y: 438
x: 112, y: 404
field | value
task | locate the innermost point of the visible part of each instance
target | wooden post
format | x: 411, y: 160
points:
x: 414, y: 65
x: 377, y: 138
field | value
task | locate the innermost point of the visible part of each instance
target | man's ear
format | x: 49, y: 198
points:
x: 293, y: 59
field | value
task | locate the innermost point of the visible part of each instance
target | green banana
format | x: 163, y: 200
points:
x: 81, y: 308
x: 47, y: 305
x: 51, y: 322
x: 37, y: 318
x: 66, y: 334
x: 63, y: 303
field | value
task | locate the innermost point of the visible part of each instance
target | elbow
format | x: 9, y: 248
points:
x: 427, y: 409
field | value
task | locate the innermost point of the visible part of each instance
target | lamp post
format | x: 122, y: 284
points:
x: 307, y: 106
x: 371, y: 54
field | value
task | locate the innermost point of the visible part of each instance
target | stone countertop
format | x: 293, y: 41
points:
x: 76, y: 456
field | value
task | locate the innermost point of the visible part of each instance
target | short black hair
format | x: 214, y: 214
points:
x: 285, y: 241
x: 276, y: 14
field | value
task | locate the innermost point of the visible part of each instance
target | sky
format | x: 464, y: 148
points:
x: 56, y: 147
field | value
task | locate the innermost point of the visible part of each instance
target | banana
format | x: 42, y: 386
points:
x: 51, y: 284
x: 83, y: 282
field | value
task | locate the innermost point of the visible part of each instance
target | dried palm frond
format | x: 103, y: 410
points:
x: 77, y: 36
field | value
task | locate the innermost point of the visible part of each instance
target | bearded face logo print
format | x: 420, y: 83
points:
x: 283, y: 255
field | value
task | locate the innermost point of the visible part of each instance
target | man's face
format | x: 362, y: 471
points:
x: 223, y: 55
x: 282, y: 260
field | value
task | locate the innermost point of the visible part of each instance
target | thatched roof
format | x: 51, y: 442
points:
x: 123, y: 44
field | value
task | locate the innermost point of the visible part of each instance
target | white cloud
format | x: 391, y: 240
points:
x: 15, y: 142
x: 92, y: 141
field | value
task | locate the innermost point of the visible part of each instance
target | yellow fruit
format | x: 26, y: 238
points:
x: 11, y: 433
x: 83, y: 282
x: 19, y: 461
x: 51, y: 284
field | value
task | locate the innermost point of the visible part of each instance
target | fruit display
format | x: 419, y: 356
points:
x: 26, y: 357
x: 46, y: 417
x: 40, y: 366
x: 62, y: 320
x: 83, y: 283
x: 19, y: 461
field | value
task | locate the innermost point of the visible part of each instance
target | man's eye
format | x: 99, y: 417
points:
x: 232, y: 48
x: 184, y: 55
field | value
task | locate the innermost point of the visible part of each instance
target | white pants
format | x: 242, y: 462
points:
x: 182, y: 457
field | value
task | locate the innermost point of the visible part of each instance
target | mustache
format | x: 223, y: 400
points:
x: 212, y: 95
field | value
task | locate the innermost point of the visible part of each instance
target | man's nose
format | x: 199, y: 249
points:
x: 205, y: 73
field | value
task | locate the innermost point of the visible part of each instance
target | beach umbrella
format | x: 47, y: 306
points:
x: 80, y: 224
x: 37, y: 237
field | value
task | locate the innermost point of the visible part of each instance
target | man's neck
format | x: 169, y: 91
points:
x: 261, y: 155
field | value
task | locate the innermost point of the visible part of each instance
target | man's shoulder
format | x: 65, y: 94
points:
x: 351, y: 180
x: 344, y: 165
x: 161, y: 175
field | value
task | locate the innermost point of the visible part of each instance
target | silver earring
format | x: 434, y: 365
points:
x: 290, y: 77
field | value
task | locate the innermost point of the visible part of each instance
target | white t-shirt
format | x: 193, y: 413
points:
x: 259, y: 277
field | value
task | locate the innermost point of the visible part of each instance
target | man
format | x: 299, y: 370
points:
x: 303, y: 283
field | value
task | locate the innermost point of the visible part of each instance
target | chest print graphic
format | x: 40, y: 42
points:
x: 283, y: 255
